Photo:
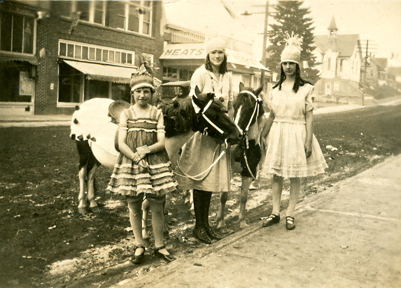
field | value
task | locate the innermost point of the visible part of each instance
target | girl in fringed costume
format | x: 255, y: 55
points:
x: 292, y: 149
x: 143, y: 167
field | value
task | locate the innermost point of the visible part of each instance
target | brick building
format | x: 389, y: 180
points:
x: 57, y: 54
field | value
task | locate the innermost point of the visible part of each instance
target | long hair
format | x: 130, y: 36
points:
x: 298, y: 79
x: 223, y: 67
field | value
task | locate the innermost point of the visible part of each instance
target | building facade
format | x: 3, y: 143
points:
x: 339, y: 58
x: 56, y: 54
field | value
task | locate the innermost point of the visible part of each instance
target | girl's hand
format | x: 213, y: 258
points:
x: 142, y: 151
x: 308, y: 150
x: 137, y: 157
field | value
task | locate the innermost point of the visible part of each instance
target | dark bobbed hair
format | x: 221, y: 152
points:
x: 223, y: 67
x: 298, y: 79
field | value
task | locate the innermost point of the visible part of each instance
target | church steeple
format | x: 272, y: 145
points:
x: 333, y: 27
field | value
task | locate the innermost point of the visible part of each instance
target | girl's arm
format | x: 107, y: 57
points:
x: 309, y: 133
x: 230, y: 109
x: 267, y: 125
x: 122, y: 137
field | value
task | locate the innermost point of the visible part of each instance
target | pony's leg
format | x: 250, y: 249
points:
x: 189, y: 199
x: 82, y: 199
x: 221, y: 223
x: 246, y: 182
x: 91, y: 189
x: 145, y: 212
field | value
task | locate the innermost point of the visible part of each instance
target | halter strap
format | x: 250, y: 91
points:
x: 198, y: 110
x: 255, y: 110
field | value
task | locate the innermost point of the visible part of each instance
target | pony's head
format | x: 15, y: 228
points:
x: 213, y: 119
x: 247, y: 107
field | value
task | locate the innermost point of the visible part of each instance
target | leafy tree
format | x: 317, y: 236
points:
x: 290, y: 17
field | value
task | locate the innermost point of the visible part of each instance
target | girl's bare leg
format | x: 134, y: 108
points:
x: 277, y: 189
x: 145, y: 212
x: 157, y: 209
x: 135, y: 218
x: 295, y: 187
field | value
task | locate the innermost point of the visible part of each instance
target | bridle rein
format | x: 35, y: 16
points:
x: 255, y: 115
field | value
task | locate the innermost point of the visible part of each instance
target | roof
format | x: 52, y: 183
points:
x: 381, y: 62
x: 343, y: 44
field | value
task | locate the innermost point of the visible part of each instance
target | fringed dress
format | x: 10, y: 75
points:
x: 285, y: 155
x: 153, y: 175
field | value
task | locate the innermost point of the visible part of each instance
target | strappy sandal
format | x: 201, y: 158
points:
x: 166, y: 257
x: 289, y: 223
x: 137, y: 259
x: 272, y: 219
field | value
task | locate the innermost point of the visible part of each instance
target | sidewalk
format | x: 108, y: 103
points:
x: 348, y: 236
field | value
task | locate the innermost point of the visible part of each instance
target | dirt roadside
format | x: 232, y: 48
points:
x: 46, y: 243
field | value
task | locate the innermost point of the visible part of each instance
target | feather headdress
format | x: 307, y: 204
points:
x: 142, y: 78
x: 292, y: 49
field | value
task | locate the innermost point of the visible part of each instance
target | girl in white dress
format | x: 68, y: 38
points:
x: 292, y: 149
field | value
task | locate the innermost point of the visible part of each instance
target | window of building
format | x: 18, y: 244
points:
x: 16, y: 33
x: 16, y: 82
x: 70, y: 82
x: 328, y: 64
x: 341, y: 65
x: 134, y: 16
x: 76, y: 50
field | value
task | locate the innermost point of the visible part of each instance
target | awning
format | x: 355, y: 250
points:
x: 101, y: 72
x: 22, y: 58
x: 196, y: 51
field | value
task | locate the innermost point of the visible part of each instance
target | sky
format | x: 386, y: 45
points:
x: 374, y: 20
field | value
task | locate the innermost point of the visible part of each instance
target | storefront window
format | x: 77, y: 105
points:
x: 70, y: 81
x: 120, y: 92
x: 15, y: 82
x: 96, y: 89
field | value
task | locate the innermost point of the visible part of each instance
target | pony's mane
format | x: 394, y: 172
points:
x: 178, y: 117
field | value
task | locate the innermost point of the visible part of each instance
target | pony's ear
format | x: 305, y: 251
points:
x: 197, y: 91
x: 197, y: 102
x: 257, y: 91
x: 241, y: 86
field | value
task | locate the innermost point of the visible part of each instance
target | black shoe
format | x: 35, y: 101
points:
x: 167, y: 257
x: 289, y: 223
x: 272, y: 219
x: 212, y: 234
x: 201, y: 235
x: 137, y: 259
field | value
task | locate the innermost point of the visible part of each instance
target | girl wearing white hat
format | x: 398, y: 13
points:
x: 199, y: 161
x: 292, y: 150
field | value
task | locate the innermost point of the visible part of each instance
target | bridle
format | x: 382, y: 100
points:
x: 255, y: 115
x: 202, y: 112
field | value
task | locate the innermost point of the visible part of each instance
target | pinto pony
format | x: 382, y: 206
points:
x: 94, y: 126
x: 248, y: 115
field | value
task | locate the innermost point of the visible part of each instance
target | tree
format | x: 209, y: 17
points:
x: 290, y: 17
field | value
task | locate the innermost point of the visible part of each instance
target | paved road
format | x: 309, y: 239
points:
x: 348, y: 236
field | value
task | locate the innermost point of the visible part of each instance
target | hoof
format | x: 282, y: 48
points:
x: 82, y: 211
x: 95, y: 209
